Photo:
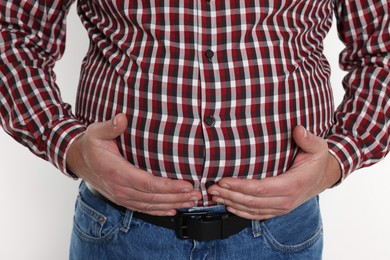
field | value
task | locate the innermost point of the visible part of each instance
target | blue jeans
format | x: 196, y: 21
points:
x: 103, y: 232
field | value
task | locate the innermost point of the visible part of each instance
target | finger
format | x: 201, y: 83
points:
x: 177, y: 200
x: 110, y: 129
x: 247, y: 215
x: 258, y: 206
x: 268, y: 187
x: 146, y: 182
x: 145, y: 202
x: 162, y: 213
x: 147, y: 207
x: 262, y: 209
x: 307, y: 141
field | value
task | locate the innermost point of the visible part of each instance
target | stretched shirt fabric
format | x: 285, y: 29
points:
x: 211, y: 88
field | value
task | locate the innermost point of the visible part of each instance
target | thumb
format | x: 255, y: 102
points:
x: 308, y: 142
x: 110, y: 129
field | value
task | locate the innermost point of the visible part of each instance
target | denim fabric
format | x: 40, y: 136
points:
x: 102, y: 232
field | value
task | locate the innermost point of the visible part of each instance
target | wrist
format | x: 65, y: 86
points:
x: 333, y: 172
x: 74, y: 157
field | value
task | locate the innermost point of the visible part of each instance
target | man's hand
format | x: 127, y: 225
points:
x: 95, y: 158
x: 313, y: 171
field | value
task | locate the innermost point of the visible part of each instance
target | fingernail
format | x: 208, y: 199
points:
x: 194, y: 198
x: 305, y: 134
x: 114, y: 122
x: 231, y: 210
x: 220, y: 200
x: 214, y: 192
x: 185, y: 190
x: 171, y: 213
x: 224, y: 185
x: 186, y: 205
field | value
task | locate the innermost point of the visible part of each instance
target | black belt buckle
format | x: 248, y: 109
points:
x: 200, y: 225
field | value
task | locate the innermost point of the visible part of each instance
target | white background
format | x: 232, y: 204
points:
x: 37, y: 201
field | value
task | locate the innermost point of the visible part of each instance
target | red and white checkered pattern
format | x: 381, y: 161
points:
x: 211, y: 88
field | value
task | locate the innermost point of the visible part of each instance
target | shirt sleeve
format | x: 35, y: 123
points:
x: 32, y: 39
x: 360, y: 134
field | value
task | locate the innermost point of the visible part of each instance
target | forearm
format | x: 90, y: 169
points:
x: 32, y: 110
x: 360, y: 135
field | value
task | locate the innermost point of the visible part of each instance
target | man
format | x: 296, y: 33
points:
x: 202, y: 128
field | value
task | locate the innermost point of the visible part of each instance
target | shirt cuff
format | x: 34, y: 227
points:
x: 347, y: 152
x: 60, y: 137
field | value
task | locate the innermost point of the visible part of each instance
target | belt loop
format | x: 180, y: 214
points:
x: 256, y: 228
x: 127, y: 220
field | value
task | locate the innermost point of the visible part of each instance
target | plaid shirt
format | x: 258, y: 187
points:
x: 211, y: 88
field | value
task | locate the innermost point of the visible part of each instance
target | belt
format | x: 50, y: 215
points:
x: 199, y: 225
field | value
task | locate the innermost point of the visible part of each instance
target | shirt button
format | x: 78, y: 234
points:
x: 210, y: 120
x: 209, y: 54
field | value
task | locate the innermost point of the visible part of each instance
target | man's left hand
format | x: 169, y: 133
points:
x: 314, y: 170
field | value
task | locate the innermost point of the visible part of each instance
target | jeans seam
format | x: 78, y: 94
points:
x: 99, y: 240
x: 294, y: 248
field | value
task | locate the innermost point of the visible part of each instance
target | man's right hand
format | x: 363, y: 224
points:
x: 95, y: 158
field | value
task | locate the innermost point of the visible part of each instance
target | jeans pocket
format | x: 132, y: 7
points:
x: 94, y: 219
x: 295, y: 231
